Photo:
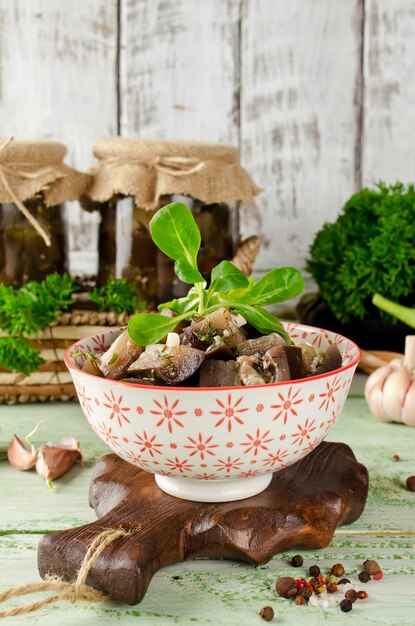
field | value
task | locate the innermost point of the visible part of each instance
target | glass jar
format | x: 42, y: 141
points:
x: 24, y: 254
x: 145, y: 265
x: 35, y: 183
x: 134, y: 178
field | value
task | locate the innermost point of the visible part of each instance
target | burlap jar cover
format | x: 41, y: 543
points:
x: 28, y: 168
x: 148, y: 169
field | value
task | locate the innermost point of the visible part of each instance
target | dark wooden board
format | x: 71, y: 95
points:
x: 300, y: 509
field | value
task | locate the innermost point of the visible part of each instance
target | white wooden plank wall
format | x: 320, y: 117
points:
x: 318, y: 94
x: 389, y: 98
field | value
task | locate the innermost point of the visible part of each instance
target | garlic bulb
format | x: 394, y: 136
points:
x: 390, y: 390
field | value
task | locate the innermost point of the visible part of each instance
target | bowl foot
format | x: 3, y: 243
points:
x: 227, y: 490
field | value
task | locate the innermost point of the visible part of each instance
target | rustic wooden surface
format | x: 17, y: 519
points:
x: 210, y: 591
x: 292, y: 513
x: 317, y: 95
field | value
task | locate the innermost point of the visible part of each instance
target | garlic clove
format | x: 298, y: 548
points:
x: 408, y: 409
x: 394, y: 391
x: 19, y: 456
x: 69, y: 442
x: 374, y: 392
x: 375, y: 402
x: 54, y: 461
x: 376, y: 379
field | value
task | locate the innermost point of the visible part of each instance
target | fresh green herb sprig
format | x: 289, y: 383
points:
x: 117, y: 295
x: 368, y: 249
x: 24, y: 312
x: 174, y: 231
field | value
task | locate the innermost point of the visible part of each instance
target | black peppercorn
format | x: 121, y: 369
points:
x: 343, y: 581
x: 410, y: 483
x: 297, y: 561
x: 331, y: 587
x: 314, y: 570
x: 267, y: 613
x: 346, y: 606
x: 364, y: 577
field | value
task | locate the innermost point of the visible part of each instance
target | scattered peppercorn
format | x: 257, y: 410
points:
x: 299, y: 599
x: 331, y: 587
x: 379, y: 575
x: 351, y: 595
x: 396, y: 457
x: 314, y: 570
x: 410, y: 483
x: 337, y: 570
x: 343, y: 581
x: 371, y: 567
x: 286, y: 587
x: 297, y: 561
x: 364, y: 577
x: 362, y: 595
x: 331, y: 579
x: 305, y: 592
x: 176, y: 577
x: 346, y: 605
x: 314, y: 582
x: 267, y: 613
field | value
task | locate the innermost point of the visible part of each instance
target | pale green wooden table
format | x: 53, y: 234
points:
x: 211, y: 591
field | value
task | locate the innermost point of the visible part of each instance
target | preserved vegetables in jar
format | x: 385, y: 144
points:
x: 34, y: 184
x: 152, y: 173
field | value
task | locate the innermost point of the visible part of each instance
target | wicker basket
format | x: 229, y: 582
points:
x: 51, y: 381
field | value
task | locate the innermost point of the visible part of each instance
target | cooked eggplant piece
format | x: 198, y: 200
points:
x: 192, y: 336
x: 172, y: 364
x: 295, y: 363
x: 320, y: 362
x: 219, y: 374
x: 311, y: 358
x: 276, y: 363
x: 91, y: 366
x: 220, y: 352
x: 219, y: 326
x: 332, y: 360
x: 115, y: 362
x: 250, y: 369
x: 259, y: 347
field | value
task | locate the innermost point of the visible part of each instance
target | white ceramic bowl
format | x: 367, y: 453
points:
x: 214, y: 444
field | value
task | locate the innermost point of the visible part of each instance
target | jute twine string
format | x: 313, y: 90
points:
x: 20, y: 169
x: 175, y: 166
x: 68, y: 591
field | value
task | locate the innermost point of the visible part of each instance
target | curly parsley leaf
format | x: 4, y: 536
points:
x: 117, y: 295
x: 368, y: 249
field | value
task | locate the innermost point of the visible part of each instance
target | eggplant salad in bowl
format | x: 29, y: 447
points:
x: 213, y: 393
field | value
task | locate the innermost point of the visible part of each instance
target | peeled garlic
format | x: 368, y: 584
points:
x: 390, y: 390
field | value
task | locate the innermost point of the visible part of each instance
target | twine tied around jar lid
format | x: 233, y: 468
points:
x: 37, y: 166
x: 148, y: 169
